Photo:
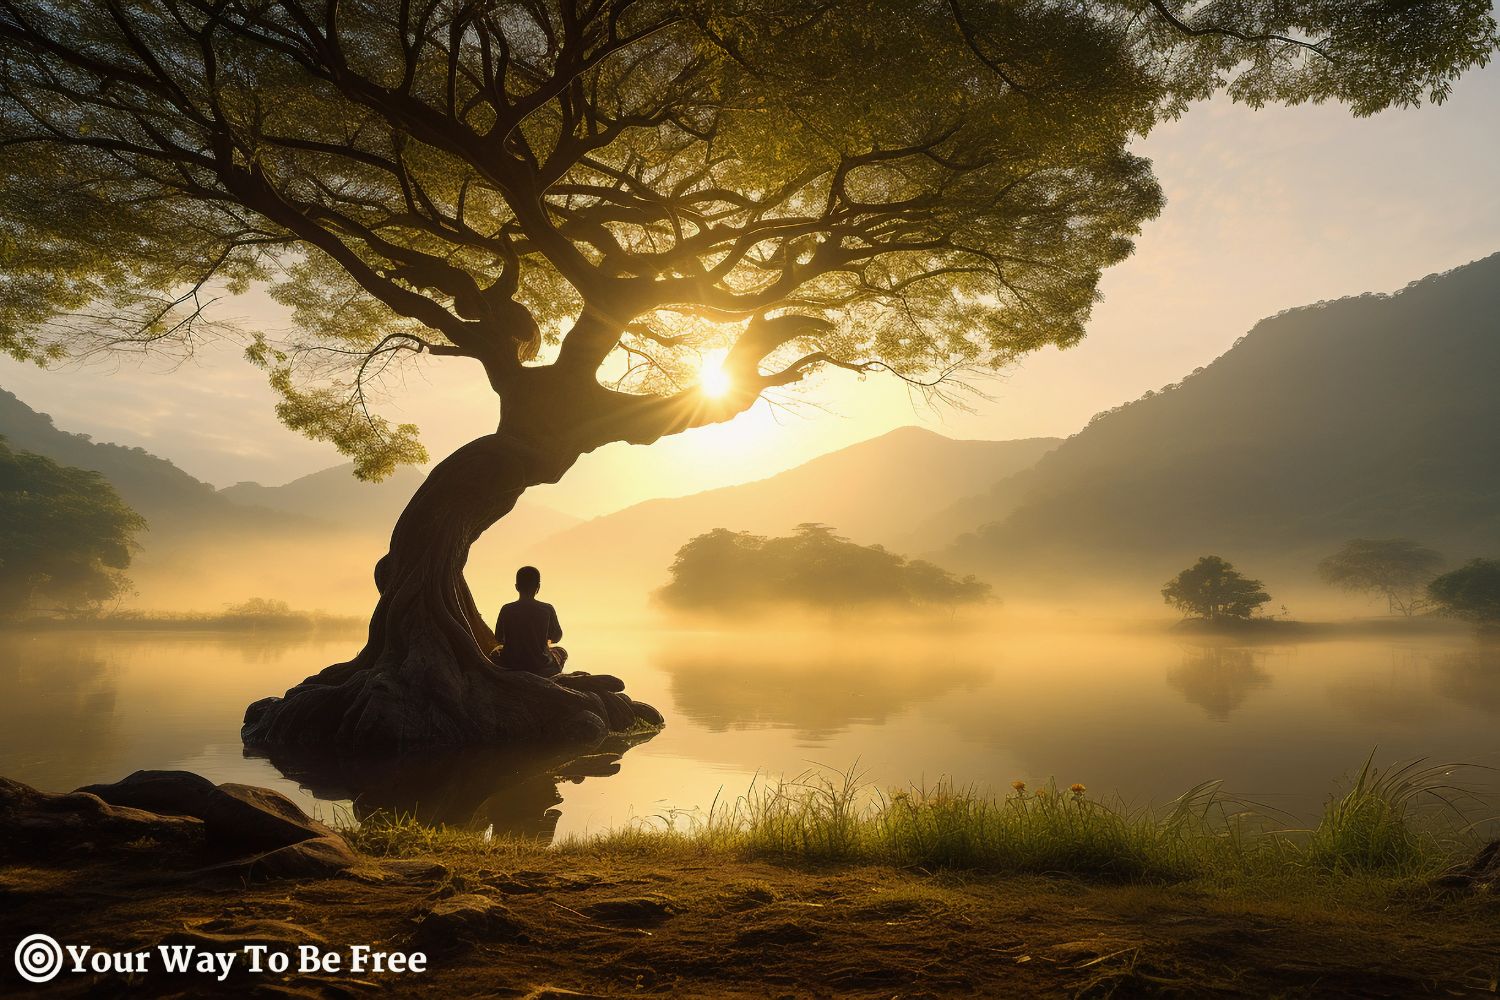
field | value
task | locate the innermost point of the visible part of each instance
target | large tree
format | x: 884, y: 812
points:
x: 583, y: 198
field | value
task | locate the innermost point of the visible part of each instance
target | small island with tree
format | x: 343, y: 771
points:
x: 723, y: 572
x: 1211, y: 592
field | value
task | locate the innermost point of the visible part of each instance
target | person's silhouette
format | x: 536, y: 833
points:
x: 526, y: 628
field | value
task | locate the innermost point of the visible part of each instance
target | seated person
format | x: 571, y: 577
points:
x: 525, y: 628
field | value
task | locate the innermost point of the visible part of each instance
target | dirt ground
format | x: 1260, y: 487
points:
x: 564, y: 926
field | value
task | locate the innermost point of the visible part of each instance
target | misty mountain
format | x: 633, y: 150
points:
x: 1374, y: 416
x: 155, y: 487
x: 876, y: 491
x: 333, y: 496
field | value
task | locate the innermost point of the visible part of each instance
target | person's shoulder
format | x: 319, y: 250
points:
x: 547, y: 607
x: 507, y: 607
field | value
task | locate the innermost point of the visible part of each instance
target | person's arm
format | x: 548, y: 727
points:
x: 500, y: 626
x: 554, y: 630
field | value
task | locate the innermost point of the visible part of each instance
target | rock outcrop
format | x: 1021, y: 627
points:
x: 36, y: 822
x: 182, y: 817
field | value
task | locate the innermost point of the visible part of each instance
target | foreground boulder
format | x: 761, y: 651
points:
x: 37, y: 823
x: 241, y: 830
x: 234, y: 816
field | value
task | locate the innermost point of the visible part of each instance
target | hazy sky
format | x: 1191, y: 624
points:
x: 1266, y: 210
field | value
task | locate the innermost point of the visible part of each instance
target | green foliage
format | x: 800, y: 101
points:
x: 931, y: 185
x: 723, y: 571
x: 1471, y: 592
x: 1396, y: 568
x: 65, y: 536
x: 1214, y: 590
x: 323, y: 413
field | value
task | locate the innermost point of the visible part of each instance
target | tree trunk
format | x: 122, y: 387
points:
x: 425, y: 677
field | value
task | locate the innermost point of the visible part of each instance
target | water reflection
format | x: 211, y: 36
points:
x: 1470, y: 677
x: 59, y: 702
x: 1277, y: 723
x: 816, y: 685
x: 1218, y: 679
x: 506, y: 791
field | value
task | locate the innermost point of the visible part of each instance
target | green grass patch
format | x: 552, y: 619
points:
x: 1395, y: 825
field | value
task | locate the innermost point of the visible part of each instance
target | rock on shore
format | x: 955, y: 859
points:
x: 183, y: 817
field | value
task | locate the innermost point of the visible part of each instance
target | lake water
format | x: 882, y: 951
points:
x: 1144, y: 716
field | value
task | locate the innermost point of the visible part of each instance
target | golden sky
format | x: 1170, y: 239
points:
x: 1266, y: 210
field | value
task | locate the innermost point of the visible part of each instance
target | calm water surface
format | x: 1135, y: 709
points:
x: 1143, y: 716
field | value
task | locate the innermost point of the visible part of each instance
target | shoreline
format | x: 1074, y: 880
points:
x: 167, y: 860
x: 607, y: 924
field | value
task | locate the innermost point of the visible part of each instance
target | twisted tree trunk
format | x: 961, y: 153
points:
x: 425, y: 677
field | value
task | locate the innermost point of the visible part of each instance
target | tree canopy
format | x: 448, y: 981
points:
x: 1471, y: 592
x: 1398, y: 569
x: 613, y: 190
x: 1212, y: 589
x: 66, y: 537
x: 729, y: 572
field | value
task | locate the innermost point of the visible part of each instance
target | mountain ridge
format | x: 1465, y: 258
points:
x: 1371, y: 415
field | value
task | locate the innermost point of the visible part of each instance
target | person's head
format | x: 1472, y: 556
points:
x: 528, y: 581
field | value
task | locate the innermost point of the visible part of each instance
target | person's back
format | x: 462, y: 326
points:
x: 525, y: 628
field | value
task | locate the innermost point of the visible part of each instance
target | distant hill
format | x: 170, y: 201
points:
x: 872, y: 492
x: 313, y: 541
x: 153, y: 486
x: 1374, y: 416
x: 333, y: 496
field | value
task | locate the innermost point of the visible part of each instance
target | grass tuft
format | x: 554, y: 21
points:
x: 1383, y: 822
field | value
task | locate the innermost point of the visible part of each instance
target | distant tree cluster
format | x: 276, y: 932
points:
x: 1397, y: 569
x: 1405, y: 574
x: 728, y: 571
x: 1471, y: 592
x: 1213, y: 590
x: 66, y: 537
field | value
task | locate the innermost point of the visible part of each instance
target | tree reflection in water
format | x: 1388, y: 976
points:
x: 816, y: 685
x: 1472, y: 676
x: 1218, y: 679
x: 505, y: 791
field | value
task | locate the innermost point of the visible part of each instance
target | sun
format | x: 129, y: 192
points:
x: 713, y: 380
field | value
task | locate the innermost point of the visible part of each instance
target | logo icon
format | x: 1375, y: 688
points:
x: 38, y: 958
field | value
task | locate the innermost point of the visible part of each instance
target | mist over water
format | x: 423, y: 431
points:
x: 1140, y: 713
